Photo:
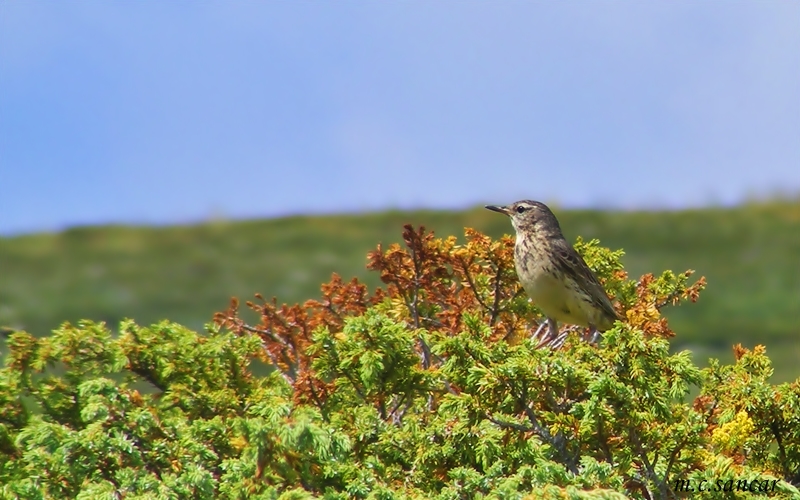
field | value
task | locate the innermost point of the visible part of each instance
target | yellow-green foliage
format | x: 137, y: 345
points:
x: 428, y: 388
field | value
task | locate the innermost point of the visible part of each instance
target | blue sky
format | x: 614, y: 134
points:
x: 163, y: 112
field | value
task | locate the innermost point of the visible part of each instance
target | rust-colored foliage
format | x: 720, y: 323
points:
x: 438, y: 281
x: 431, y: 283
x: 286, y: 330
x: 652, y: 295
x: 739, y: 350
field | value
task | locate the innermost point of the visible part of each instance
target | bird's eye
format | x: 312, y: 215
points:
x: 521, y: 209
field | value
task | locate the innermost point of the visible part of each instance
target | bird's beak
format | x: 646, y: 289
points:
x: 502, y: 210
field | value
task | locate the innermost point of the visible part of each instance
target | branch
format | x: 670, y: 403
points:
x: 471, y: 283
x: 650, y: 468
x: 318, y: 401
x: 496, y: 303
x: 776, y: 432
x: 290, y: 365
x: 397, y: 416
x: 148, y: 376
x: 672, y: 456
x: 415, y: 299
x: 556, y: 442
x: 510, y: 425
x: 349, y: 378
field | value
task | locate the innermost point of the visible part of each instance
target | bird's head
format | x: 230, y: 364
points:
x: 530, y: 216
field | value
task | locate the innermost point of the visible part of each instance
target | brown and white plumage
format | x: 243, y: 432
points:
x: 553, y: 274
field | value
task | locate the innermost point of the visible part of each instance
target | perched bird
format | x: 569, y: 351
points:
x: 554, y: 275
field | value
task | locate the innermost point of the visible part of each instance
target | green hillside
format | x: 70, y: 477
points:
x: 750, y: 256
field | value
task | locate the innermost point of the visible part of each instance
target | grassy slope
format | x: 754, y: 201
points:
x: 749, y: 254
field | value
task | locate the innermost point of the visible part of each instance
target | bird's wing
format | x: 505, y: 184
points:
x: 573, y: 265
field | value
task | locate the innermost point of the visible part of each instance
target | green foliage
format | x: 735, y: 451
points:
x: 429, y: 388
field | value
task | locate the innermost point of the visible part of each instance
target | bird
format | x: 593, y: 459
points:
x: 554, y: 275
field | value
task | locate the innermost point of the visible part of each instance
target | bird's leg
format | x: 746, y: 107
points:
x: 559, y: 341
x: 562, y: 337
x: 552, y: 331
x: 595, y: 334
x: 539, y: 330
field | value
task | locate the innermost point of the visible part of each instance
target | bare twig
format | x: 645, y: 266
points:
x: 496, y: 303
x: 776, y: 432
x: 511, y: 425
x: 557, y: 442
x: 672, y: 456
x: 650, y: 467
